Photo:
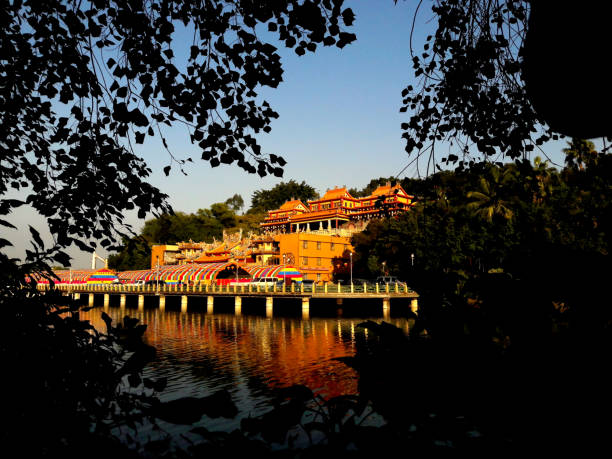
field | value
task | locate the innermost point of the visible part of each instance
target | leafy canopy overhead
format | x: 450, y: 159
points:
x: 469, y: 90
x: 82, y: 82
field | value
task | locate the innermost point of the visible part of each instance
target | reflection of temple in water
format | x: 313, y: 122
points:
x: 200, y: 352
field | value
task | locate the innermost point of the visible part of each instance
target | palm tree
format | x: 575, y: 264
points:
x: 487, y: 202
x: 543, y: 181
x: 580, y: 153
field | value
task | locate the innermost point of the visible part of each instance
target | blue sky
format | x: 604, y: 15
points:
x: 339, y: 121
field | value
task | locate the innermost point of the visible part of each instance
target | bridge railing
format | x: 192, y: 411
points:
x: 327, y: 288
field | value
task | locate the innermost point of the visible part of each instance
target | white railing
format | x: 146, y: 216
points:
x: 327, y: 288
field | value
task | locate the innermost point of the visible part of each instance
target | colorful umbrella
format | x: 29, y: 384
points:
x: 103, y: 276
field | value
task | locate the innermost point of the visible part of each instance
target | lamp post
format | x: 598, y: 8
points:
x: 351, y: 256
x: 284, y: 257
x: 412, y: 259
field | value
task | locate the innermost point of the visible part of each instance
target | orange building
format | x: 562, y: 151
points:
x: 312, y: 254
x: 311, y: 237
x: 164, y: 254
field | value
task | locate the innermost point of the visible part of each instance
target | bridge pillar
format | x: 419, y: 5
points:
x: 106, y: 300
x: 305, y: 307
x: 162, y: 302
x: 91, y: 299
x: 414, y: 305
x: 238, y: 305
x: 184, y: 304
x: 269, y: 306
x: 122, y: 299
x: 210, y: 304
x: 141, y: 302
x: 386, y: 308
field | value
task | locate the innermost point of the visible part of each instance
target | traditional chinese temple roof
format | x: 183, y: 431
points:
x: 336, y: 193
x: 388, y: 189
x: 291, y: 205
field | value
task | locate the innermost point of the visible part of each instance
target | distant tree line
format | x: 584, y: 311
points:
x: 546, y: 227
x: 205, y: 224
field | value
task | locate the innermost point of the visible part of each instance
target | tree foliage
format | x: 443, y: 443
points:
x: 580, y: 154
x: 83, y: 82
x: 470, y: 90
x: 235, y: 203
x: 72, y: 384
x: 530, y: 221
x: 264, y: 200
x: 512, y: 308
x: 201, y: 226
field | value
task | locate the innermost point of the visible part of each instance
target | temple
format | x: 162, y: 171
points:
x: 337, y: 209
x: 314, y: 237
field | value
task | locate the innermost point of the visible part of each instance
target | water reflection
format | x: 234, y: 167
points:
x: 248, y: 355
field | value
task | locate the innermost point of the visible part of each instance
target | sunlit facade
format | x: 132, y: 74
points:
x: 337, y: 211
x: 314, y: 237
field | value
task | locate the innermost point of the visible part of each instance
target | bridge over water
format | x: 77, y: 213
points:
x: 306, y: 294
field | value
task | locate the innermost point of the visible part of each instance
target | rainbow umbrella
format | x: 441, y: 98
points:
x: 288, y: 273
x: 102, y: 276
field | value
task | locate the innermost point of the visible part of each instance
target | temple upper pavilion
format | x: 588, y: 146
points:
x: 314, y: 237
x: 337, y: 209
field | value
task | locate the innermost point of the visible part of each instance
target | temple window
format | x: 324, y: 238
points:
x: 305, y: 260
x: 332, y: 246
x: 318, y: 261
x: 318, y: 246
x: 305, y: 244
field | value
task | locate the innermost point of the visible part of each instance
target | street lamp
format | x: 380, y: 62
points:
x: 351, y: 255
x: 284, y: 280
x: 412, y: 259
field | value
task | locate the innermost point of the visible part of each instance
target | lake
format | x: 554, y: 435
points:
x: 250, y: 355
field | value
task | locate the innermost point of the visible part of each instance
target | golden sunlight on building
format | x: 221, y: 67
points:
x: 310, y: 236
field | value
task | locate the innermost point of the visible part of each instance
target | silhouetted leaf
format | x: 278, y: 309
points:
x: 36, y: 235
x: 7, y: 224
